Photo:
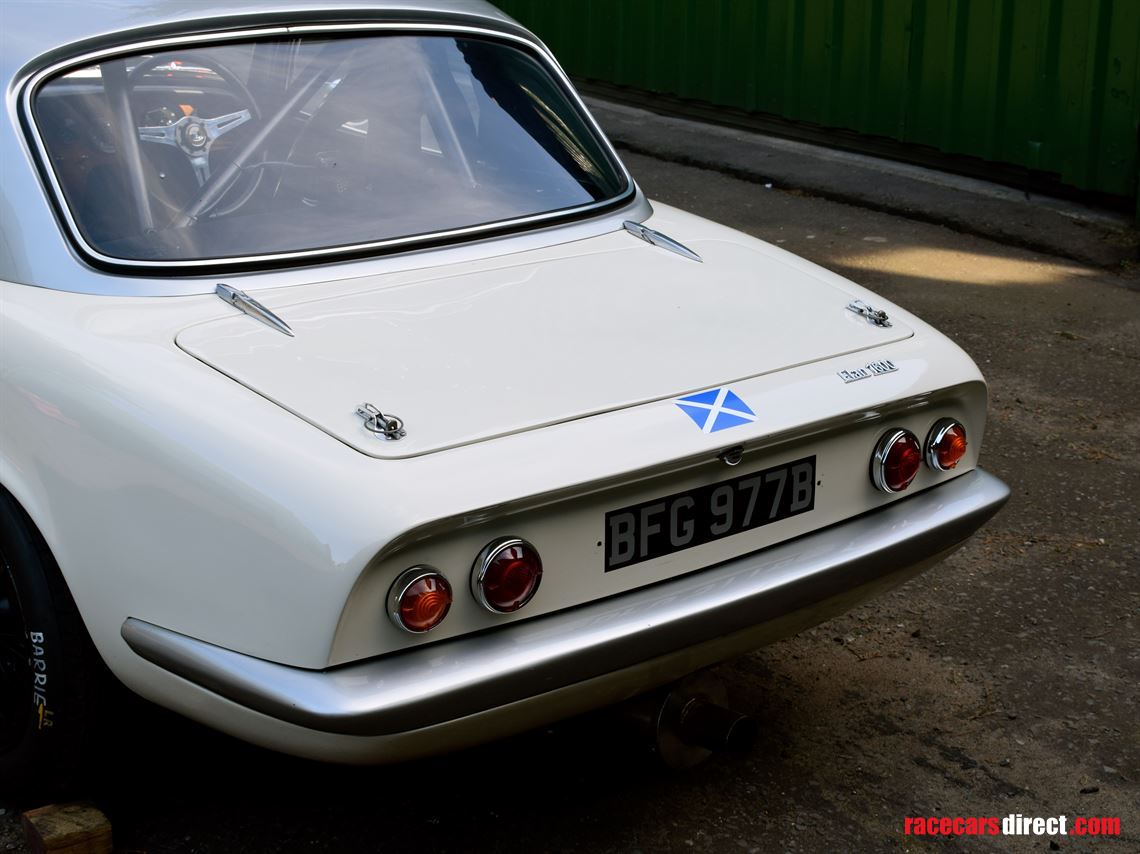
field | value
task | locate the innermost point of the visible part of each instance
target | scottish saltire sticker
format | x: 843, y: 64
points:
x: 716, y: 410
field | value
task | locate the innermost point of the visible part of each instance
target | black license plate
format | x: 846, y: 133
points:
x: 687, y: 519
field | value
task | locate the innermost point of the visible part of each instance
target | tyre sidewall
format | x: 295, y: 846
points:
x: 54, y: 691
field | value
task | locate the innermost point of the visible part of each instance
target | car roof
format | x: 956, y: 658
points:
x: 34, y: 33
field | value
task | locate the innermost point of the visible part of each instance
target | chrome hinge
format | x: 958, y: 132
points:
x: 389, y: 426
x: 873, y: 315
x: 245, y: 303
x: 658, y: 239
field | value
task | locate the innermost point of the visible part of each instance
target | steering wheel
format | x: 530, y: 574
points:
x: 195, y: 136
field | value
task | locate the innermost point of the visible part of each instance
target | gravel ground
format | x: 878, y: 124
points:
x: 1004, y: 681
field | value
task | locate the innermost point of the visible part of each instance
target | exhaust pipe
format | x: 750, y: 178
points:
x: 690, y: 721
x: 703, y: 723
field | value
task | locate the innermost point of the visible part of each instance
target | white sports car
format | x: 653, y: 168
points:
x: 356, y: 402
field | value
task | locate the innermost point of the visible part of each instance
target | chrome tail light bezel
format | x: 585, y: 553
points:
x: 937, y: 433
x: 483, y: 563
x: 401, y: 585
x: 879, y: 459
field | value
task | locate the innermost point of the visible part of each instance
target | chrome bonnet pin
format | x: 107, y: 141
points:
x: 387, y: 425
x: 875, y: 316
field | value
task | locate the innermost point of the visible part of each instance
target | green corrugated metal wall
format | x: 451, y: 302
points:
x: 1050, y: 85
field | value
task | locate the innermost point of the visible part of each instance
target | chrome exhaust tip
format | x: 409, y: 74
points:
x: 714, y: 727
x: 688, y: 722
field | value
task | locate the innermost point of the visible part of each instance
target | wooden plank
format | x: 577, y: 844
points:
x: 75, y: 828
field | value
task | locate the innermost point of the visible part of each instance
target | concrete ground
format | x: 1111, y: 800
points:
x: 1006, y: 680
x: 1014, y: 217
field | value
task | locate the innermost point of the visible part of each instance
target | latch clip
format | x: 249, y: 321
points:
x: 389, y: 426
x: 874, y: 316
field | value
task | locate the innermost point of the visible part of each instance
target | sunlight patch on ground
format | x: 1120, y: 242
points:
x: 965, y: 267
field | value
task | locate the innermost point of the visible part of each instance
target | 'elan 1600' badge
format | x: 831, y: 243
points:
x: 871, y: 369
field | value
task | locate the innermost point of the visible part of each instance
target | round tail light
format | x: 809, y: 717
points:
x: 419, y: 599
x: 896, y: 461
x: 945, y: 445
x: 506, y: 575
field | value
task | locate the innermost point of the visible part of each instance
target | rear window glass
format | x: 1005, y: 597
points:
x: 282, y: 146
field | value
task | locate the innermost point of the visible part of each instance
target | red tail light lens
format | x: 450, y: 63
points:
x: 896, y: 461
x: 419, y: 599
x: 506, y: 575
x: 945, y: 445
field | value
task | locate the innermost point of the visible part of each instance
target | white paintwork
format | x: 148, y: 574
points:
x: 232, y: 518
x: 464, y: 357
x: 170, y: 493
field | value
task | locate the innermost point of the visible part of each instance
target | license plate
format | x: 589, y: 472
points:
x: 698, y: 516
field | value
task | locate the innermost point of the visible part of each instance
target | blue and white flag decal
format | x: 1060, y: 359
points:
x: 716, y: 410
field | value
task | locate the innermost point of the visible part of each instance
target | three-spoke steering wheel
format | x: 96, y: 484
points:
x: 193, y: 135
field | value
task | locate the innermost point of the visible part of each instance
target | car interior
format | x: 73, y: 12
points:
x: 274, y: 146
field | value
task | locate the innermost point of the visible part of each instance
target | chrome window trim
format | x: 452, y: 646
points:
x: 68, y: 272
x: 30, y: 87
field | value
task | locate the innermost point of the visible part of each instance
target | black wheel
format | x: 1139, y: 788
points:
x: 50, y: 674
x: 15, y: 662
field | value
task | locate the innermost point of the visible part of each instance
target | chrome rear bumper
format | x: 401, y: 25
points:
x: 617, y: 646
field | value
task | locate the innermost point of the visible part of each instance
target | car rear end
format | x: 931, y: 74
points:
x: 615, y: 463
x: 664, y: 545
